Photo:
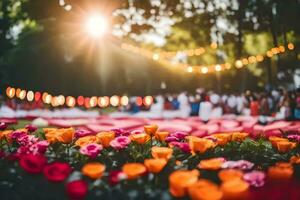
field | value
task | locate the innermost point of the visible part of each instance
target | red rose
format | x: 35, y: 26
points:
x: 77, y: 189
x: 57, y: 171
x: 33, y: 163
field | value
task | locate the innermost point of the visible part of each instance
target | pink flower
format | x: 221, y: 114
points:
x: 240, y: 164
x: 179, y: 135
x: 120, y: 132
x: 120, y: 142
x: 26, y: 140
x: 17, y: 134
x: 23, y: 150
x: 31, y: 128
x: 171, y: 139
x: 183, y: 146
x: 255, y: 178
x: 295, y: 138
x: 3, y: 126
x: 82, y: 133
x: 91, y: 150
x: 35, y: 149
x: 39, y: 147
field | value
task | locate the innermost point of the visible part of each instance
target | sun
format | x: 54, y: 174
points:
x: 96, y: 26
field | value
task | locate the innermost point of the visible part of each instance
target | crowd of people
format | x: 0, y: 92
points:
x: 275, y: 104
x: 279, y: 104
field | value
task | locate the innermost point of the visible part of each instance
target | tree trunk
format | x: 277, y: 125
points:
x: 240, y: 16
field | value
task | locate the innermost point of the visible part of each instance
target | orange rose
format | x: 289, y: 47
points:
x: 65, y: 135
x: 235, y: 189
x: 155, y: 165
x: 47, y: 130
x: 222, y: 138
x: 5, y: 135
x: 275, y: 139
x: 211, y: 164
x: 205, y: 190
x: 285, y: 146
x: 86, y: 140
x: 134, y: 170
x: 106, y: 137
x: 140, y: 138
x: 239, y: 137
x: 295, y: 160
x: 281, y: 171
x: 151, y: 129
x: 161, y: 135
x: 161, y: 152
x: 93, y: 170
x: 51, y: 135
x: 200, y: 144
x: 180, y: 180
x: 230, y: 174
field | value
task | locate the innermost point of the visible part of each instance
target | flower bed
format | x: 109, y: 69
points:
x: 59, y: 163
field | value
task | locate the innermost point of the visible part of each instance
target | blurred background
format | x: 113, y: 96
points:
x: 145, y: 50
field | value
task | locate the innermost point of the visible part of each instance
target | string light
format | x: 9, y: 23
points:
x: 124, y: 100
x: 103, y: 102
x: 80, y: 100
x: 54, y: 101
x: 291, y: 46
x: 22, y: 94
x: 163, y: 57
x: 61, y: 100
x: 30, y: 96
x: 139, y: 101
x: 165, y: 54
x: 18, y: 92
x: 114, y: 100
x: 190, y: 69
x: 70, y: 101
x: 10, y: 92
x: 37, y: 96
x: 48, y: 99
x: 148, y: 100
x: 87, y: 102
x: 204, y: 70
x: 218, y: 68
x: 93, y: 101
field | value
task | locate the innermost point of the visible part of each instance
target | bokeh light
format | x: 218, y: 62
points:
x: 48, y: 99
x: 80, y: 100
x: 114, y: 100
x: 37, y: 96
x: 139, y: 101
x: 103, y: 102
x: 22, y: 94
x: 70, y: 101
x: 124, y: 100
x: 148, y: 100
x: 30, y: 96
x: 93, y: 101
x: 10, y: 92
